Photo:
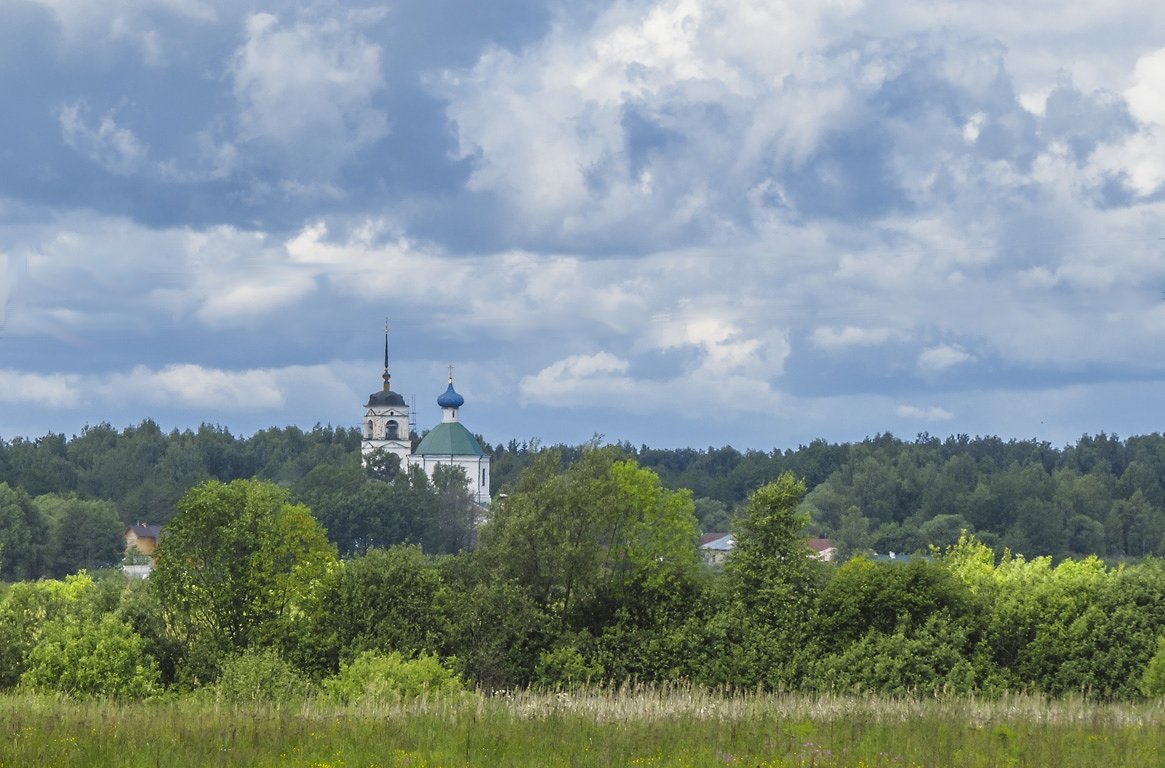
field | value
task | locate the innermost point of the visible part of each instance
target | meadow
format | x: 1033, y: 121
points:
x: 642, y: 727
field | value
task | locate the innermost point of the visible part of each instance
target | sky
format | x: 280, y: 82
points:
x: 670, y: 222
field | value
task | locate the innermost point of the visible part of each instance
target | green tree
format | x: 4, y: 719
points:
x: 455, y: 526
x: 259, y: 675
x: 361, y: 514
x: 380, y: 678
x: 771, y: 579
x: 770, y: 568
x: 83, y: 534
x: 238, y: 562
x: 382, y: 465
x: 1153, y: 679
x: 853, y: 534
x: 23, y: 536
x: 382, y: 601
x: 712, y: 514
x: 583, y: 536
x: 28, y: 607
x: 943, y: 530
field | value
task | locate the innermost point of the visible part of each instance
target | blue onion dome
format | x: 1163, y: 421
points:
x: 450, y: 399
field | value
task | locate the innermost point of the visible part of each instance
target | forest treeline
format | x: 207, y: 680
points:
x: 587, y: 572
x: 1102, y: 495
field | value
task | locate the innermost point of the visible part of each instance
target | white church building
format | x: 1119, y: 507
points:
x: 386, y: 428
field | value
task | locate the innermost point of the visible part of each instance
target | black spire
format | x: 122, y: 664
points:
x: 386, y: 375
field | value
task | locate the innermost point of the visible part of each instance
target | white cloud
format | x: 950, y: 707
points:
x: 851, y: 336
x: 548, y: 127
x: 20, y: 387
x: 927, y: 413
x: 306, y: 89
x: 193, y: 386
x: 579, y: 380
x: 186, y: 386
x: 942, y: 357
x: 724, y: 347
x: 1146, y: 96
x: 602, y: 379
x: 85, y: 24
x: 113, y: 147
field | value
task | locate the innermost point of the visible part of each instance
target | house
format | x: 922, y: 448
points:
x: 715, y: 548
x: 824, y: 549
x: 140, y: 542
x: 143, y: 537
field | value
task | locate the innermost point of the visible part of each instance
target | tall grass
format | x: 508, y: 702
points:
x: 630, y: 727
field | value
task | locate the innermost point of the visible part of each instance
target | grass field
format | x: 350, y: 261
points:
x: 630, y: 728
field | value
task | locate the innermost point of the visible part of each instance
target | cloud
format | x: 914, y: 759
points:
x: 850, y: 336
x: 185, y: 386
x: 942, y: 357
x: 928, y: 413
x: 647, y: 114
x: 306, y: 90
x: 579, y: 380
x: 1146, y: 96
x: 24, y: 388
x: 1140, y: 158
x: 602, y: 378
x: 193, y: 386
x: 85, y: 24
x: 7, y: 283
x: 724, y: 348
x: 113, y: 147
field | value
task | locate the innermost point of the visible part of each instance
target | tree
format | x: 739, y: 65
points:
x: 853, y: 534
x: 456, y: 519
x: 581, y: 537
x: 29, y: 607
x: 1153, y: 679
x: 361, y: 514
x: 769, y: 569
x: 382, y: 465
x: 23, y: 535
x: 943, y: 530
x: 237, y: 562
x: 82, y: 533
x: 382, y: 601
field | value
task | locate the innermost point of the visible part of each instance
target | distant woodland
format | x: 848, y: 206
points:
x: 64, y: 502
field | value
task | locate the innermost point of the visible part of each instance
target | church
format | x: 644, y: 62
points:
x: 386, y: 428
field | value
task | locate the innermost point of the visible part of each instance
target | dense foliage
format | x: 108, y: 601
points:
x: 1103, y: 495
x: 325, y: 575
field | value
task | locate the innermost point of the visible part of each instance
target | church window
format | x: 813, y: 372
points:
x: 392, y: 430
x: 368, y: 431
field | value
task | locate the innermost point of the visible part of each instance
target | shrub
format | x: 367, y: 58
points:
x: 1153, y: 681
x: 259, y: 676
x: 377, y: 677
x: 565, y: 668
x: 87, y: 657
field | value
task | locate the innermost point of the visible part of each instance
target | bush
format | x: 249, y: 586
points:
x: 259, y: 676
x: 565, y: 668
x: 1153, y: 681
x: 375, y: 677
x: 87, y: 658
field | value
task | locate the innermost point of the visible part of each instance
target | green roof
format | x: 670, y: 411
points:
x: 449, y: 439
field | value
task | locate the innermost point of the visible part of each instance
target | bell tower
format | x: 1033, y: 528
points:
x: 386, y: 419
